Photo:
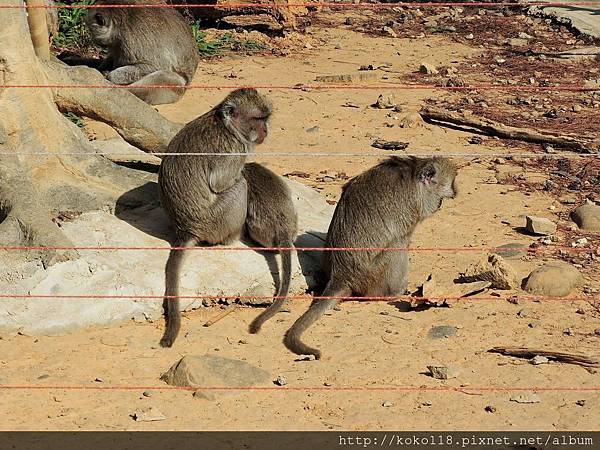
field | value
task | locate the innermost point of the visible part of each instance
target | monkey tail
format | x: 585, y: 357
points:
x: 292, y: 337
x: 284, y: 288
x: 171, y: 300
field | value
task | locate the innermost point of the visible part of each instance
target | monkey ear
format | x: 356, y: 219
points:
x: 228, y: 110
x: 427, y: 173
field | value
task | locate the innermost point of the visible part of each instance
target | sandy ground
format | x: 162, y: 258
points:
x: 373, y: 352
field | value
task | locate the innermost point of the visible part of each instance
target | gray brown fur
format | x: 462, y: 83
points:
x: 379, y: 208
x: 271, y: 221
x: 146, y: 46
x: 206, y: 196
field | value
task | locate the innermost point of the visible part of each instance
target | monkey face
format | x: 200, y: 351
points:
x: 101, y: 27
x: 246, y: 113
x: 438, y: 181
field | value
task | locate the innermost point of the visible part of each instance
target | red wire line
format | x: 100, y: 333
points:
x: 297, y: 297
x: 482, y: 87
x: 318, y: 5
x: 306, y: 388
x: 315, y: 249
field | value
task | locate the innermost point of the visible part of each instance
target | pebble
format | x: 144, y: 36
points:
x: 280, y: 380
x: 526, y: 397
x: 428, y: 69
x: 540, y: 225
x: 443, y: 372
x: 150, y: 414
x: 387, y: 404
x: 441, y: 331
x: 524, y: 313
x: 537, y: 359
x: 387, y: 101
x: 147, y: 394
x: 580, y: 402
x: 390, y: 32
x: 490, y: 409
x: 469, y: 36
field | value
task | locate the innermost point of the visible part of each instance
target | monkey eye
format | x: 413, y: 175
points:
x: 100, y: 20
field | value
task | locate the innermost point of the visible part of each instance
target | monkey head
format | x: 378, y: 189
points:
x: 102, y: 26
x: 437, y: 180
x: 245, y: 113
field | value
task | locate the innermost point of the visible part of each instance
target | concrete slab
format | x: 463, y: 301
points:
x: 584, y: 19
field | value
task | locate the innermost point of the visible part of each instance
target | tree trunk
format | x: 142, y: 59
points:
x: 47, y: 166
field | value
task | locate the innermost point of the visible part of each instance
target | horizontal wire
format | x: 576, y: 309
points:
x: 533, y: 298
x: 462, y: 389
x: 316, y: 87
x: 382, y: 154
x: 566, y: 248
x: 318, y: 5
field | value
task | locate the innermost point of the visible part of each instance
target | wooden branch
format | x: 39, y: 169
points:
x: 586, y: 144
x: 136, y: 121
x: 221, y: 316
x: 568, y: 358
x: 36, y: 17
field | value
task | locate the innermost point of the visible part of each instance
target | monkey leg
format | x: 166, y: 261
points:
x: 397, y: 278
x: 171, y: 301
x: 158, y: 96
x: 317, y: 309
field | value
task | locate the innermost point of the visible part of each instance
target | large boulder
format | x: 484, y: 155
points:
x: 140, y: 221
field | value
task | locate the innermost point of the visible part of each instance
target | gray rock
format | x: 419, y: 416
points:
x: 537, y: 359
x: 214, y: 371
x: 428, y: 69
x: 281, y: 380
x: 443, y: 372
x: 556, y: 278
x: 149, y: 414
x: 587, y: 217
x: 385, y: 101
x: 526, y: 397
x: 141, y: 273
x: 512, y: 250
x: 441, y: 331
x: 387, y: 404
x: 492, y: 268
x: 540, y: 225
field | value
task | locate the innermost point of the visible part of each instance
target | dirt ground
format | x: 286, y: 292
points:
x: 374, y: 352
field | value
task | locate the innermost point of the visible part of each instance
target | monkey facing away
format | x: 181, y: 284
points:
x: 379, y: 208
x: 146, y: 46
x: 272, y: 222
x: 206, y: 196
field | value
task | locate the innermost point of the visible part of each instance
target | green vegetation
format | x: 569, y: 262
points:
x: 227, y: 41
x: 72, y: 30
x: 74, y: 118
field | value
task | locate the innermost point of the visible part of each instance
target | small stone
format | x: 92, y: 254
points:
x: 387, y: 404
x: 587, y: 217
x: 524, y: 313
x: 385, y: 101
x: 540, y: 225
x: 147, y: 394
x: 597, y: 331
x: 427, y: 403
x: 389, y: 31
x: 327, y: 383
x: 280, y: 380
x: 313, y: 129
x: 428, y: 69
x: 526, y: 397
x: 556, y: 279
x: 537, y: 359
x: 577, y: 108
x: 470, y: 36
x: 580, y: 402
x: 533, y: 325
x: 149, y: 414
x: 580, y: 311
x: 524, y: 36
x: 517, y: 42
x: 490, y: 409
x: 493, y: 268
x: 568, y: 332
x: 443, y: 372
x: 442, y: 331
x: 512, y: 250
